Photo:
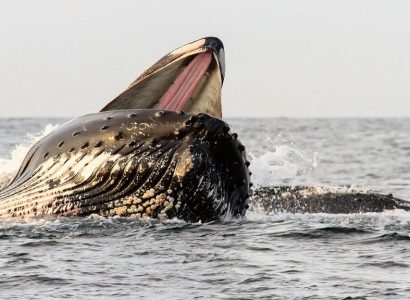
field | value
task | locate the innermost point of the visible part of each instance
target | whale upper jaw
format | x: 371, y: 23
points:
x: 189, y: 79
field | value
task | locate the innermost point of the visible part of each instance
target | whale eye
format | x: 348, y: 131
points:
x: 104, y: 127
x: 85, y: 145
x: 46, y: 155
x: 108, y: 118
x: 61, y: 144
x: 131, y: 115
x: 76, y: 133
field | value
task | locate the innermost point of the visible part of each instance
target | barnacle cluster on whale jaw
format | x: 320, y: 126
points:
x: 133, y: 163
x: 149, y: 205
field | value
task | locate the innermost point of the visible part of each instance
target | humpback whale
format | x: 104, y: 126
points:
x: 158, y: 150
x: 161, y: 150
x: 331, y: 200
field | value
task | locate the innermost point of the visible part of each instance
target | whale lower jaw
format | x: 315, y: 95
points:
x: 133, y: 163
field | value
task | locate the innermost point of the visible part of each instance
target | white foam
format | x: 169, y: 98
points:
x: 281, y: 166
x: 378, y: 221
x: 10, y: 164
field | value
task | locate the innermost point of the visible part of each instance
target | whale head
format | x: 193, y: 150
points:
x: 157, y: 150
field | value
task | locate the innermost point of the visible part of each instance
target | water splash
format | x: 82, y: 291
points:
x: 9, y: 165
x: 283, y: 165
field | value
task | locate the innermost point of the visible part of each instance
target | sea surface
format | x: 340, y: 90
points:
x: 265, y: 256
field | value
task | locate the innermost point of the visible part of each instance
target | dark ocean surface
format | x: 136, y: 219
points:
x: 266, y: 256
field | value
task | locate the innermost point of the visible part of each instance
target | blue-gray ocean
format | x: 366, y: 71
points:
x: 266, y: 256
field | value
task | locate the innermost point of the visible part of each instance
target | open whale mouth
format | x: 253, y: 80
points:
x: 187, y: 79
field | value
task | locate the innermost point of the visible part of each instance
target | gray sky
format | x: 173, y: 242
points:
x: 284, y: 58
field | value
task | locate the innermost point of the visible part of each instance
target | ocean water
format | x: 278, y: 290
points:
x: 265, y: 256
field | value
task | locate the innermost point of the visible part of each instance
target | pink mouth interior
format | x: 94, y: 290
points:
x: 181, y: 90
